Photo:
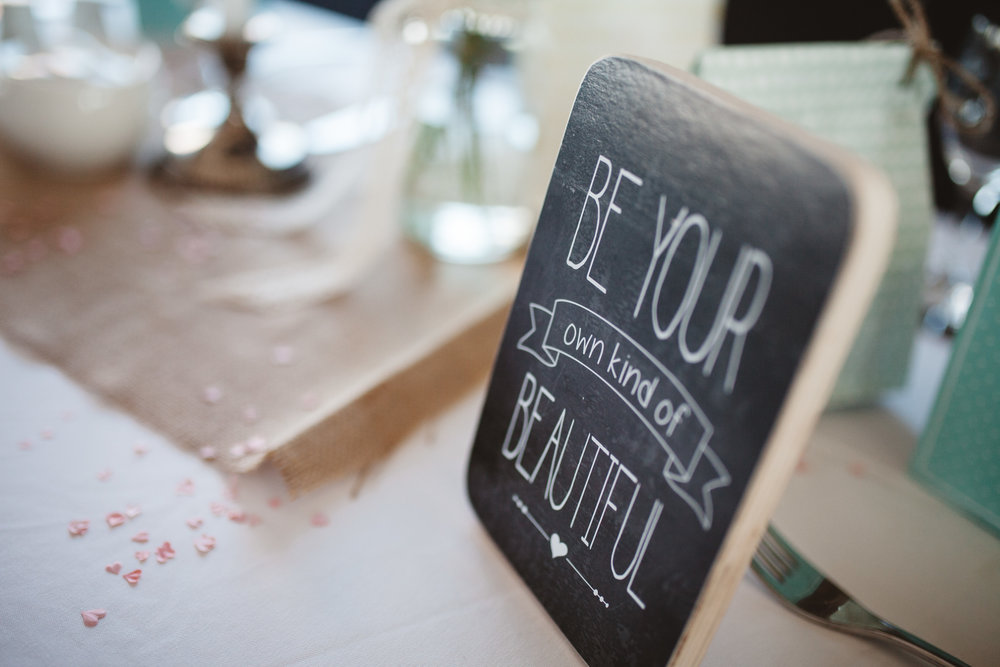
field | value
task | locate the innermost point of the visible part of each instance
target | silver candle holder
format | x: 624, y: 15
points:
x: 232, y: 159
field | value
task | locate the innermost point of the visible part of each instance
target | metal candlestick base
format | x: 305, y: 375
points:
x: 233, y: 159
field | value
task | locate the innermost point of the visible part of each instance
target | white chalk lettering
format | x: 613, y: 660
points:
x: 752, y: 266
x: 574, y: 259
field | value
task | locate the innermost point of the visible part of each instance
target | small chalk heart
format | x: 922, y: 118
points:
x: 92, y: 616
x: 114, y: 568
x: 558, y: 547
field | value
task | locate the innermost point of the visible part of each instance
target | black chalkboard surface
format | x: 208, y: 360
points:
x: 694, y: 282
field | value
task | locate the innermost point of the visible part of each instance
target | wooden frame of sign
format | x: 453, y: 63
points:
x: 697, y: 275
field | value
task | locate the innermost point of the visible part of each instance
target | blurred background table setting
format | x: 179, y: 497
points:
x: 255, y: 260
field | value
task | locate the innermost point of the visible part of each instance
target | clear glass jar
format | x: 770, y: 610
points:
x: 464, y: 196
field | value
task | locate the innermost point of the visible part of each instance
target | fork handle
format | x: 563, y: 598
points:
x: 917, y: 646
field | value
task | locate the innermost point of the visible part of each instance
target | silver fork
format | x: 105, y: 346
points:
x: 810, y: 593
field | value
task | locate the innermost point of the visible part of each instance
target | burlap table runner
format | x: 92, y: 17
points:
x: 146, y: 296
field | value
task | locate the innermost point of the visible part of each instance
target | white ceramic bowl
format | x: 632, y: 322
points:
x: 79, y: 123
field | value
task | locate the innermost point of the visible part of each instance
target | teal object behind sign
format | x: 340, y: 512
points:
x: 959, y: 452
x: 161, y: 18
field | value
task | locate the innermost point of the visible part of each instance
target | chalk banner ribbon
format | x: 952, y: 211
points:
x: 692, y: 469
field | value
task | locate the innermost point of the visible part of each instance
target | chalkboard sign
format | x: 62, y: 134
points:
x: 694, y: 282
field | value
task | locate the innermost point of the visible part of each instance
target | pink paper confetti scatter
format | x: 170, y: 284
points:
x: 69, y: 240
x: 92, y: 616
x: 79, y: 527
x: 238, y: 450
x: 194, y: 523
x: 141, y: 556
x: 132, y: 577
x: 256, y: 443
x: 47, y: 433
x: 24, y: 445
x: 140, y: 450
x: 237, y: 516
x: 141, y: 537
x: 218, y: 509
x: 115, y: 519
x: 319, y: 520
x: 211, y: 394
x: 185, y: 488
x: 282, y: 355
x: 104, y: 475
x: 204, y: 544
x: 250, y: 414
x: 132, y: 511
x: 309, y: 401
x: 274, y: 502
x: 207, y: 453
x: 113, y: 568
x: 164, y: 553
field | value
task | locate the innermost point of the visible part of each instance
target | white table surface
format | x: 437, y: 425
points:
x: 402, y: 574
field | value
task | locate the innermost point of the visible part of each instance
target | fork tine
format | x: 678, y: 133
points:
x: 765, y: 559
x: 781, y: 549
x: 775, y: 557
x: 809, y: 592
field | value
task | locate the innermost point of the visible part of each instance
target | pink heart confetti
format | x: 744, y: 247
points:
x: 164, y: 553
x: 79, y: 528
x: 132, y: 511
x: 282, y: 355
x: 141, y: 537
x: 211, y: 394
x: 250, y: 414
x: 92, y: 616
x: 47, y: 433
x: 256, y: 443
x: 207, y: 453
x: 274, y: 502
x: 237, y: 516
x: 115, y: 519
x: 204, y: 544
x: 238, y: 450
x: 69, y: 240
x: 218, y: 509
x: 25, y: 445
x: 309, y: 401
x: 140, y: 450
x: 185, y: 488
x: 104, y: 475
x: 141, y: 556
x: 319, y: 520
x: 114, y: 568
x: 194, y: 523
x: 132, y: 577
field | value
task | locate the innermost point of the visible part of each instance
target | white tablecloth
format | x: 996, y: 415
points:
x: 401, y: 573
